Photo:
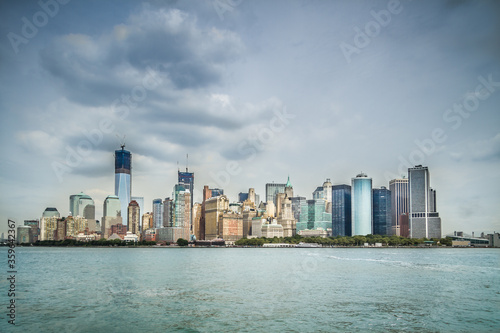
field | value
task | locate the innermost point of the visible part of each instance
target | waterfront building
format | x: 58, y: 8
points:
x: 48, y: 223
x: 118, y: 229
x: 271, y: 229
x: 111, y: 214
x: 272, y: 189
x: 400, y: 203
x: 158, y: 213
x: 24, y: 234
x: 35, y: 226
x: 341, y: 210
x: 381, y: 211
x: 315, y: 233
x: 74, y: 226
x: 123, y: 179
x: 361, y: 205
x: 424, y: 219
x: 313, y: 215
x: 249, y: 212
x: 196, y: 221
x: 257, y: 223
x: 214, y: 209
x: 231, y: 226
x: 404, y: 225
x: 61, y: 229
x: 134, y: 214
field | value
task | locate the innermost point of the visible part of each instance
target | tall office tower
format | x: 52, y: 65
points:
x: 24, y: 234
x: 186, y: 180
x: 296, y: 206
x: 324, y: 192
x: 82, y: 205
x: 381, y: 211
x: 214, y: 209
x: 134, y: 217
x: 341, y: 210
x: 361, y: 205
x: 168, y: 210
x: 196, y: 221
x: 285, y: 217
x: 35, y: 226
x: 400, y: 203
x: 123, y: 179
x: 158, y: 213
x: 140, y: 201
x: 112, y: 214
x: 272, y: 189
x: 313, y: 215
x: 48, y: 223
x: 423, y: 222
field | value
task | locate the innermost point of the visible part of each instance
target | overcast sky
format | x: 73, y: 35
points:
x: 253, y: 91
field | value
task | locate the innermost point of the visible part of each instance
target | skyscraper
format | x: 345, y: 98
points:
x: 48, y: 223
x: 361, y: 201
x: 123, y: 181
x: 399, y: 203
x: 341, y: 210
x: 157, y: 213
x: 134, y: 217
x: 381, y: 211
x: 112, y: 214
x: 424, y: 221
x: 272, y: 189
x: 82, y: 205
x: 186, y: 180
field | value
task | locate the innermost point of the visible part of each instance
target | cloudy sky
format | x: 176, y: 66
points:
x: 253, y: 91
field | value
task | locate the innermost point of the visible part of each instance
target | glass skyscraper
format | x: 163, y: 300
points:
x: 157, y: 213
x: 424, y: 220
x: 186, y: 180
x: 82, y: 205
x: 361, y: 201
x: 123, y: 182
x: 399, y: 203
x: 381, y: 211
x: 272, y: 189
x: 341, y: 210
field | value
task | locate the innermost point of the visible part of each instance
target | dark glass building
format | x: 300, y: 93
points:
x: 186, y: 180
x: 381, y: 211
x: 123, y: 181
x: 341, y: 210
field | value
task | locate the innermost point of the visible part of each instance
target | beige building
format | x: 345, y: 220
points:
x: 214, y: 209
x: 285, y: 218
x: 196, y: 220
x: 271, y: 230
x: 134, y: 215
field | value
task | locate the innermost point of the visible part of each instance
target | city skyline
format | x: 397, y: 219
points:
x: 253, y: 94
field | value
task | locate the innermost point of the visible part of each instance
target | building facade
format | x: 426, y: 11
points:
x: 400, y: 203
x: 381, y: 211
x: 424, y: 219
x: 123, y: 179
x: 341, y: 210
x: 361, y: 205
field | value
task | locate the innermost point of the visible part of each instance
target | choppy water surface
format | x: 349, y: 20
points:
x: 248, y: 290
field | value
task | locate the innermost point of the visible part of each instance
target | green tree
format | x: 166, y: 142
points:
x: 182, y: 242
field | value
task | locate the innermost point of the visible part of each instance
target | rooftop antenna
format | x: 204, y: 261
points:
x: 178, y: 166
x: 187, y: 159
x: 121, y: 140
